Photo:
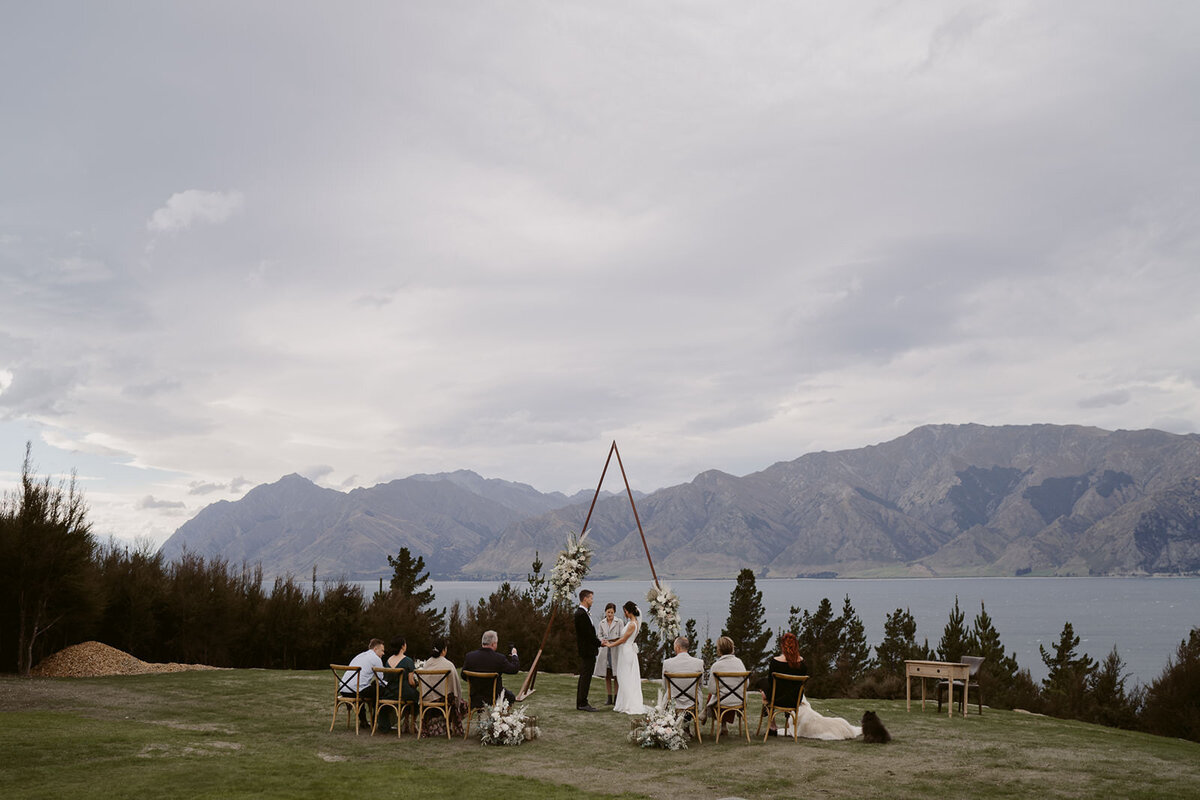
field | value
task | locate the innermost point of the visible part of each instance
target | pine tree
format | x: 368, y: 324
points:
x: 1065, y: 687
x: 689, y: 631
x: 708, y: 653
x: 954, y: 637
x: 1172, y: 703
x: 539, y: 585
x: 1109, y: 702
x: 818, y: 635
x: 407, y: 609
x: 650, y: 651
x: 899, y: 642
x: 999, y: 670
x: 407, y: 578
x: 745, y: 624
x: 854, y: 654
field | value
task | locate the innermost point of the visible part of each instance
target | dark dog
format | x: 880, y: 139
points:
x: 873, y: 730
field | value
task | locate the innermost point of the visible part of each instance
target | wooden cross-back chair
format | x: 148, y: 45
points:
x: 684, y: 689
x: 790, y: 711
x: 731, y: 699
x: 480, y: 685
x: 434, y: 687
x: 347, y: 679
x: 972, y: 687
x: 403, y: 707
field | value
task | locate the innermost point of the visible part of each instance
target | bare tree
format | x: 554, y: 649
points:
x: 46, y: 549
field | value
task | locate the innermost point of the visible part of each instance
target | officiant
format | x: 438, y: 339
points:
x: 608, y: 629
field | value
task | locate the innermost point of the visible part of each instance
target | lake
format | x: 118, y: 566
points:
x: 1146, y: 618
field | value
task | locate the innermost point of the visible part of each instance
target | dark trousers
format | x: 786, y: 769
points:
x: 366, y: 711
x: 586, y: 667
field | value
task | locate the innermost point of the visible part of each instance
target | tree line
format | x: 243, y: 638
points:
x: 841, y: 664
x: 58, y: 587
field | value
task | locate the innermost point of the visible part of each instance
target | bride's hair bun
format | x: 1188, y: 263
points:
x: 632, y: 608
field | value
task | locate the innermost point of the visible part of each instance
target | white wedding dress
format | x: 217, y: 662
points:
x: 629, y: 674
x: 815, y: 726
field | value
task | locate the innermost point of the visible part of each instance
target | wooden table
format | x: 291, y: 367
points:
x: 939, y: 670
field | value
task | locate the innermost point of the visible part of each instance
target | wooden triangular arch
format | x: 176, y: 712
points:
x: 527, y: 686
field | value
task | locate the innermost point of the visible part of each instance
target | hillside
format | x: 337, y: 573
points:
x: 941, y: 500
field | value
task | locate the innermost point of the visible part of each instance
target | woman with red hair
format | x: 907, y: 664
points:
x: 788, y: 662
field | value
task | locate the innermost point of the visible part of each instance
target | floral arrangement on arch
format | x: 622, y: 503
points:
x: 505, y: 724
x: 570, y: 568
x: 664, y: 608
x: 663, y: 727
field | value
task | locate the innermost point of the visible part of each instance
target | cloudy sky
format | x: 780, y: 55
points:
x: 361, y: 241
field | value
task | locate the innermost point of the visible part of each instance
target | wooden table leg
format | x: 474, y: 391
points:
x: 907, y: 691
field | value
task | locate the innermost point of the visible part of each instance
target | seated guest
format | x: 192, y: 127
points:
x: 788, y: 662
x: 400, y: 660
x: 486, y: 659
x: 726, y: 662
x: 435, y: 724
x: 368, y: 660
x: 682, y: 663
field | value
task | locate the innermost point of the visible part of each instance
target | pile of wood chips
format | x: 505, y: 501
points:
x: 95, y: 659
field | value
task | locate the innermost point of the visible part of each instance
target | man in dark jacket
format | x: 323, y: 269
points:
x: 486, y: 659
x: 589, y: 647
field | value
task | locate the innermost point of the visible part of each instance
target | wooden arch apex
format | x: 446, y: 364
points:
x: 527, y: 686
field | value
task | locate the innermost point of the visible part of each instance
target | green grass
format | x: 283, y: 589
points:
x: 257, y: 733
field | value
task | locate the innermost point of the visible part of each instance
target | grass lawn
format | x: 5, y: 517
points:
x: 259, y: 733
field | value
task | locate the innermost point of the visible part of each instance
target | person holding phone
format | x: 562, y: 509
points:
x: 486, y: 659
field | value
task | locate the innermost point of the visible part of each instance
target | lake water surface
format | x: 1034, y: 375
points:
x: 1145, y: 618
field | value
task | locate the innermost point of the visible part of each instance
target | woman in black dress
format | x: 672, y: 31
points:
x: 788, y: 662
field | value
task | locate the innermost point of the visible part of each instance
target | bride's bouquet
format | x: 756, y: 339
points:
x: 664, y: 607
x: 663, y: 727
x: 570, y: 568
x: 505, y: 724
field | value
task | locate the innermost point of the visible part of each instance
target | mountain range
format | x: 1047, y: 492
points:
x: 941, y: 500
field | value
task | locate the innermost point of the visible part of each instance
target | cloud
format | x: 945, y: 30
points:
x: 150, y: 504
x: 316, y: 473
x: 38, y: 391
x: 724, y: 240
x: 195, y: 206
x: 199, y: 487
x: 77, y: 269
x: 1117, y: 397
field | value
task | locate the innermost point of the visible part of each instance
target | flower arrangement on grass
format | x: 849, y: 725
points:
x: 664, y: 608
x: 663, y: 727
x: 505, y: 724
x: 570, y: 568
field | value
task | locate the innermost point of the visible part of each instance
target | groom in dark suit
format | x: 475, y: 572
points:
x: 589, y: 647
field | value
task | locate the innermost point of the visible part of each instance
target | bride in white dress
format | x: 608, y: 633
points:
x: 629, y: 672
